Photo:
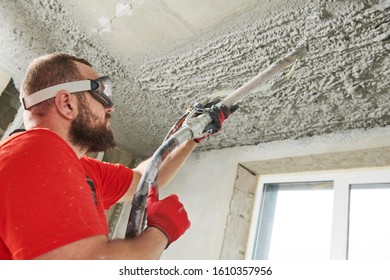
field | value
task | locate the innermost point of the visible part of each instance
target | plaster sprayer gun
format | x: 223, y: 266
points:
x: 192, y: 126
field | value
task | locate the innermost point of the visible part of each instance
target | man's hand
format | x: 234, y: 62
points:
x: 167, y: 214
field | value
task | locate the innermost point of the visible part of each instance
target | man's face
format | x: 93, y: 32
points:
x: 90, y: 131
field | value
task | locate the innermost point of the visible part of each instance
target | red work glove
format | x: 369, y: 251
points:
x: 167, y: 214
x: 218, y: 113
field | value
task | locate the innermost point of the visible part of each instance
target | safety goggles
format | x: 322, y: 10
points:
x: 100, y: 89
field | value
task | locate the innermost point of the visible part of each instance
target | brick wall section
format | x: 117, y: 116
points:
x: 239, y: 218
x: 9, y: 105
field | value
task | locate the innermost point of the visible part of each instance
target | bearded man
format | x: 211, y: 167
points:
x: 53, y: 196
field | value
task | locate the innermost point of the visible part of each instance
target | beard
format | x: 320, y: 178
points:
x: 86, y: 133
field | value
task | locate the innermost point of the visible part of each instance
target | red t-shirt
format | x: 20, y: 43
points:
x: 45, y: 200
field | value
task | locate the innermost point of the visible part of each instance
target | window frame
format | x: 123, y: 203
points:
x: 342, y: 179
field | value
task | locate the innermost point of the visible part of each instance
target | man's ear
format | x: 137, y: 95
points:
x: 66, y: 104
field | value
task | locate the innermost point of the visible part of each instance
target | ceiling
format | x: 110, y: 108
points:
x: 163, y: 55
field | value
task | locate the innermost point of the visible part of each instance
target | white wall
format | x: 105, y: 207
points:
x: 205, y: 184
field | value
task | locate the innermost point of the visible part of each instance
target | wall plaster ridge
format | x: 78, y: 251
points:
x: 342, y: 84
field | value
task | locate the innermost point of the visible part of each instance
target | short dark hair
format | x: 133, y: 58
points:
x: 49, y: 70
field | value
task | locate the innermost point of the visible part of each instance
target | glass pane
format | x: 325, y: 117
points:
x: 369, y: 222
x: 295, y: 222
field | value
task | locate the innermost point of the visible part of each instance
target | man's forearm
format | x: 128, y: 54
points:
x: 168, y: 170
x: 174, y: 162
x: 147, y: 246
x: 171, y: 164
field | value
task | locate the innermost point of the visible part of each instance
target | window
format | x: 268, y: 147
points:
x: 303, y: 210
x: 329, y: 215
x: 369, y: 223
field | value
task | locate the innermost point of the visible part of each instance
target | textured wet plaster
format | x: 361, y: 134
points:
x: 341, y: 84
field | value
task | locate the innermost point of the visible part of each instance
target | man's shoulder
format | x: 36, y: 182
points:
x: 41, y: 139
x: 36, y: 133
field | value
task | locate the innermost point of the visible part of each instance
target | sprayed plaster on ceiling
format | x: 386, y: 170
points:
x: 165, y: 55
